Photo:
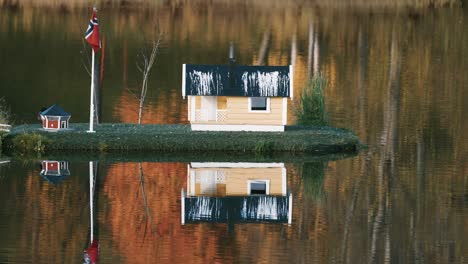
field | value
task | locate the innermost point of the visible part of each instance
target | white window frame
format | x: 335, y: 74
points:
x: 267, y: 184
x: 259, y: 111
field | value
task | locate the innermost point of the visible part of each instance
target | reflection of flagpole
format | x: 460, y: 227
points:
x: 91, y: 194
x: 91, y: 105
x: 92, y: 252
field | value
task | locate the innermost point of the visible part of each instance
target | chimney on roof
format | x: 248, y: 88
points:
x: 232, y: 59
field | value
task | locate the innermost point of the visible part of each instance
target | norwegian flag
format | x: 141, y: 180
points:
x: 92, y: 33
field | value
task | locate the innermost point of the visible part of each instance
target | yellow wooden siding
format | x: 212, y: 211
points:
x: 236, y: 180
x: 238, y: 112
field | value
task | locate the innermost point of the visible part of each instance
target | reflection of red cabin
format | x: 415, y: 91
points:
x: 55, y: 168
x: 54, y: 118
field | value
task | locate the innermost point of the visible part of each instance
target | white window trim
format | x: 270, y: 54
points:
x: 259, y: 111
x: 285, y: 111
x: 291, y: 82
x: 267, y: 183
x: 183, y: 80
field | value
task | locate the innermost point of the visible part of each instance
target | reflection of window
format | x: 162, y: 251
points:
x: 259, y: 104
x: 259, y: 187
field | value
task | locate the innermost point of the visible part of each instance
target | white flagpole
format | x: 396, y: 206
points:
x: 91, y: 105
x: 91, y: 194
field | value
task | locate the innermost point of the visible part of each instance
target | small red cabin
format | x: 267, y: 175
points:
x: 54, y: 118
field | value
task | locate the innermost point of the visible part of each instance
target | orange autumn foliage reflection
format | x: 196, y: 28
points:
x: 167, y: 109
x: 146, y: 235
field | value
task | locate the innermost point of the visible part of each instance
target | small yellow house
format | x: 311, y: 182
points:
x: 239, y: 192
x: 237, y: 98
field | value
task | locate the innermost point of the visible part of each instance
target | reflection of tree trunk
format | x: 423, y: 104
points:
x: 293, y: 48
x: 124, y: 75
x: 361, y: 81
x: 145, y: 202
x: 349, y: 216
x: 316, y: 54
x: 387, y: 256
x: 263, y: 48
x: 388, y: 141
x: 418, y: 257
x: 310, y: 49
x: 364, y: 164
x: 377, y: 221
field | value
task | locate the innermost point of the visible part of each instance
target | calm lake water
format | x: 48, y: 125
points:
x: 397, y: 78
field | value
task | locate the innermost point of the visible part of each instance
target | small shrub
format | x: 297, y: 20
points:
x: 103, y: 147
x: 311, y: 109
x: 30, y: 143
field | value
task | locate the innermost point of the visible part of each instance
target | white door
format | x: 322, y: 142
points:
x: 209, y: 104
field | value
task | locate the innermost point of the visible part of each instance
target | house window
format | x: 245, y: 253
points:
x: 259, y: 187
x: 261, y: 104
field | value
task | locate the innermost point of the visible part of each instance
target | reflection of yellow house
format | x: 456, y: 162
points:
x: 228, y: 179
x: 245, y: 192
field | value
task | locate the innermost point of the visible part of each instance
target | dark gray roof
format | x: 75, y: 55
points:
x: 55, y: 110
x: 55, y: 179
x: 234, y: 80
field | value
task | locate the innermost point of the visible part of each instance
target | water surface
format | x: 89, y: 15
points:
x: 397, y: 78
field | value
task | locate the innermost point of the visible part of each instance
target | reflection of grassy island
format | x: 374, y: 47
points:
x: 179, y: 138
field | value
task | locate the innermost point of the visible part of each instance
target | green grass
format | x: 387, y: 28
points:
x: 180, y: 138
x: 311, y: 110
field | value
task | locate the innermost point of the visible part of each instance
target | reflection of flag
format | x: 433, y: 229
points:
x: 91, y: 254
x: 92, y: 33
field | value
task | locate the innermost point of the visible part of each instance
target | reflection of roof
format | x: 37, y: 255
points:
x: 55, y: 179
x: 226, y: 80
x: 261, y: 208
x: 55, y: 110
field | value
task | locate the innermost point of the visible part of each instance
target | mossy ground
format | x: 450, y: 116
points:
x: 180, y: 138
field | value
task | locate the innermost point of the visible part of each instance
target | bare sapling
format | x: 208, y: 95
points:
x: 144, y: 65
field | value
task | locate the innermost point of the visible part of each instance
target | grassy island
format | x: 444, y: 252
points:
x: 178, y: 138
